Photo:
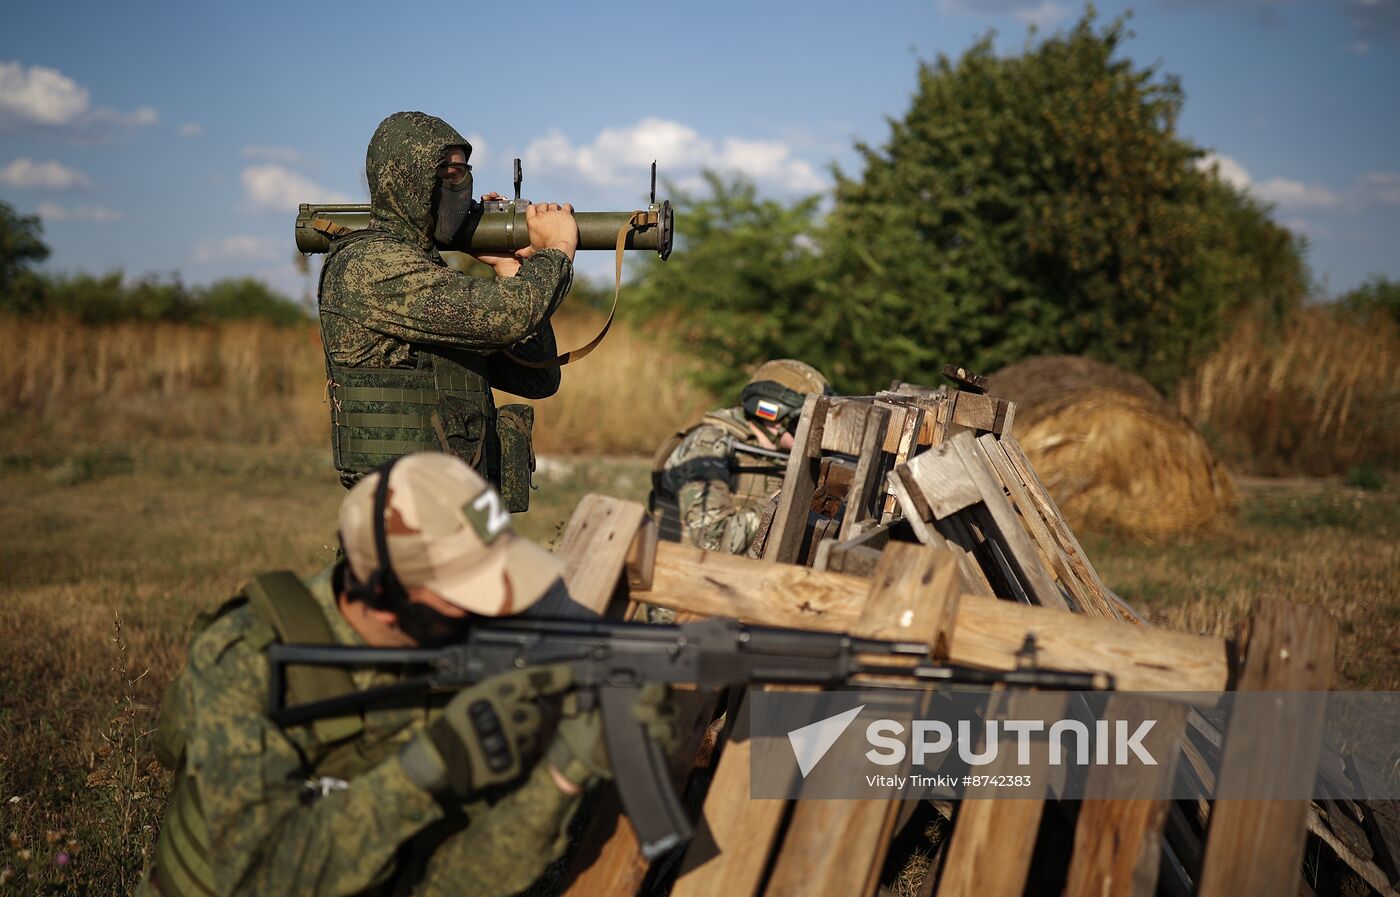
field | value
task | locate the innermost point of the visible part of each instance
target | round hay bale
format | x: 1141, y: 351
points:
x: 1113, y: 454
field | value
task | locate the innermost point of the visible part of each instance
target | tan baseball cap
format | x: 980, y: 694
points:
x: 447, y: 530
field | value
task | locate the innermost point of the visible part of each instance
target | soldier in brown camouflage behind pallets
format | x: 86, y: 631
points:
x: 707, y: 490
x: 465, y: 793
x: 414, y: 347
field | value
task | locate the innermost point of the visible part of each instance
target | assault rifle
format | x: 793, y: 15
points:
x: 611, y: 661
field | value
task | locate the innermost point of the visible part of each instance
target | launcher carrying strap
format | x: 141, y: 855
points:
x: 638, y: 221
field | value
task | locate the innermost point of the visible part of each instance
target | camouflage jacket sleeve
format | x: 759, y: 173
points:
x: 266, y: 836
x: 698, y: 474
x: 506, y: 846
x: 526, y: 382
x: 397, y: 291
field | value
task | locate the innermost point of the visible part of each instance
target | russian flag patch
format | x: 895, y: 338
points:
x: 768, y: 410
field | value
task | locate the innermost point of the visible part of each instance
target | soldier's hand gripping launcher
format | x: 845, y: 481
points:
x: 610, y: 662
x: 499, y: 225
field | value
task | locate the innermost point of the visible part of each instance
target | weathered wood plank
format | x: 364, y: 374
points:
x: 865, y: 489
x: 736, y: 834
x: 799, y: 482
x: 720, y: 585
x: 913, y: 598
x: 941, y: 482
x: 846, y: 422
x: 975, y: 411
x: 1253, y: 848
x: 989, y: 633
x: 1050, y: 512
x: 1090, y: 600
x: 989, y: 854
x: 1117, y: 843
x: 595, y: 547
x: 985, y: 633
x: 1034, y: 576
x: 911, y: 503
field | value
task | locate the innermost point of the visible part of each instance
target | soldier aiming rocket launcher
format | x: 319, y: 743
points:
x: 611, y: 661
x: 499, y: 225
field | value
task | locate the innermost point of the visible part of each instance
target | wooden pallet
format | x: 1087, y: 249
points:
x: 903, y: 517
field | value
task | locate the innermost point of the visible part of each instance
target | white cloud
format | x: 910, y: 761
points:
x: 1287, y: 193
x: 51, y: 211
x: 28, y: 174
x: 284, y: 155
x: 45, y: 97
x: 1040, y: 13
x: 480, y: 152
x: 622, y: 156
x: 1382, y: 187
x: 1371, y: 189
x: 1226, y: 168
x: 275, y: 188
x: 239, y: 247
x: 191, y: 129
x: 1041, y: 16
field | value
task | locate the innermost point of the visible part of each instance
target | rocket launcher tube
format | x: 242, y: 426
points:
x: 496, y: 226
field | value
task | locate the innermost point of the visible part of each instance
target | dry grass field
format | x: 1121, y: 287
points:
x: 148, y: 471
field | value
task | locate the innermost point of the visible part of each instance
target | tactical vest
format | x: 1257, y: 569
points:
x: 748, y: 488
x: 442, y: 405
x: 378, y: 414
x: 291, y: 614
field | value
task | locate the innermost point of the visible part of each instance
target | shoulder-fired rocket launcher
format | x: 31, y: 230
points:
x: 499, y: 225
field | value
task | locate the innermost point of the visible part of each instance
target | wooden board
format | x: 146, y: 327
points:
x: 1117, y: 843
x: 721, y: 585
x: 1254, y: 848
x: 1011, y: 534
x: 799, y: 483
x: 913, y: 598
x: 989, y: 854
x: 939, y: 484
x: 595, y: 547
x: 1089, y: 600
x: 865, y: 491
x: 733, y: 840
x: 989, y: 634
x: 985, y: 633
x: 1050, y: 513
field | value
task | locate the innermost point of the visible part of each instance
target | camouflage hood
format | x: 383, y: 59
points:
x: 401, y: 169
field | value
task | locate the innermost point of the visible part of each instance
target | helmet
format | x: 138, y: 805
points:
x: 776, y: 391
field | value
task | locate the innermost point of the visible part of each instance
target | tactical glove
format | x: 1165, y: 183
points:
x: 579, y: 752
x: 487, y: 735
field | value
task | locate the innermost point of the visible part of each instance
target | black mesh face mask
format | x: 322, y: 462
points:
x: 454, y: 200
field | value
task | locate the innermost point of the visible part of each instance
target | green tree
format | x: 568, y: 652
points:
x: 242, y: 298
x: 1377, y: 295
x: 21, y: 245
x: 1041, y: 203
x: 740, y: 287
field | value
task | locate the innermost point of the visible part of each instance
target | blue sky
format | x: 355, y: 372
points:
x: 171, y: 137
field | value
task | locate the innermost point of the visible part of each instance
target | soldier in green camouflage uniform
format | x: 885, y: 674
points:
x: 707, y: 493
x: 414, y: 347
x: 387, y: 800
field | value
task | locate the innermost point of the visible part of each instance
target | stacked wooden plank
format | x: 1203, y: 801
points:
x: 913, y: 514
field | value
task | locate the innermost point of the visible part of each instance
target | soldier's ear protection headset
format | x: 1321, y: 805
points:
x: 381, y: 590
x: 771, y: 402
